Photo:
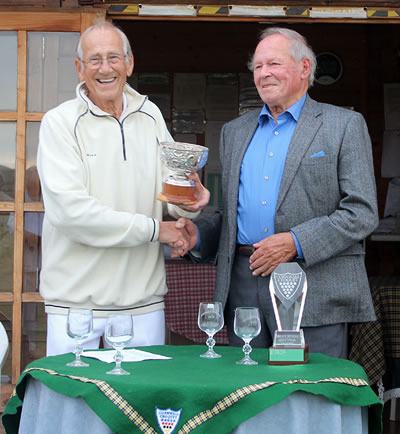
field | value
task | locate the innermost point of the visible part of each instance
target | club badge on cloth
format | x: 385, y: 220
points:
x: 167, y: 419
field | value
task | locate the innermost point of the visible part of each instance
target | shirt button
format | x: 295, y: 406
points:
x: 271, y: 154
x: 265, y: 229
x: 264, y: 202
x: 266, y: 177
x: 276, y: 133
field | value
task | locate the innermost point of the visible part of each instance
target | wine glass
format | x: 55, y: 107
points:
x: 119, y: 332
x: 79, y: 327
x: 211, y: 321
x: 247, y: 325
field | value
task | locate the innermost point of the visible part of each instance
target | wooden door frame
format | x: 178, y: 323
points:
x: 22, y: 23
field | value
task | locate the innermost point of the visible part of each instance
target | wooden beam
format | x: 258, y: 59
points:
x: 19, y: 207
x: 43, y: 21
x: 88, y: 18
x: 6, y: 297
x: 8, y: 116
x: 33, y: 207
x: 32, y: 297
x: 34, y: 116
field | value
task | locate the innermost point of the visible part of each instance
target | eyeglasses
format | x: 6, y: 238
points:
x: 95, y: 61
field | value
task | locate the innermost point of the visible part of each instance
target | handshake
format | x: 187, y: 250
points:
x: 181, y: 235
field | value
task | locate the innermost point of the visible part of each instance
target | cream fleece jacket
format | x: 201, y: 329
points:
x: 100, y: 177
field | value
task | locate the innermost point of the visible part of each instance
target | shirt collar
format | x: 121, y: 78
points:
x: 294, y: 110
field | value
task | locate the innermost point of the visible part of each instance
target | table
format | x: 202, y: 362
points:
x: 376, y: 345
x: 189, y: 285
x: 215, y: 396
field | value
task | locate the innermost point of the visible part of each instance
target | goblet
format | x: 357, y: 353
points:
x: 119, y: 332
x: 181, y: 159
x: 211, y: 321
x: 79, y: 327
x: 247, y: 326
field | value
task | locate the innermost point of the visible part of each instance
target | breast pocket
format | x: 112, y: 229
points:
x: 318, y: 179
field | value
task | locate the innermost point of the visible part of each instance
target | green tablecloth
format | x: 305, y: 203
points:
x: 214, y: 395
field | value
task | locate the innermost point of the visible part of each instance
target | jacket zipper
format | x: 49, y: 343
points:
x: 123, y: 139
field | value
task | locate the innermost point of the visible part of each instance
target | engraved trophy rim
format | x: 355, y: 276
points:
x: 185, y: 145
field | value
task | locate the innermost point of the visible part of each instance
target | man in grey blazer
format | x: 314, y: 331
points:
x: 298, y: 185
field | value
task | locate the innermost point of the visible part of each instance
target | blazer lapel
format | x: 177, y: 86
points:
x: 308, y: 125
x: 242, y: 138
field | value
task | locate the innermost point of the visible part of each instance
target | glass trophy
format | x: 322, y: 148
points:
x: 288, y: 288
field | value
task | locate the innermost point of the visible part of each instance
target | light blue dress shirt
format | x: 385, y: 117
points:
x: 261, y: 174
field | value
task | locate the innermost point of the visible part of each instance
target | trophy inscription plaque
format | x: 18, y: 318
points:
x: 182, y: 159
x: 288, y: 289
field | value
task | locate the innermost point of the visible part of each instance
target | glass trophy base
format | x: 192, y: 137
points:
x: 283, y: 355
x: 177, y: 194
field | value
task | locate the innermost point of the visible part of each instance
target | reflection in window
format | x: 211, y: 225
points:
x: 8, y: 71
x: 8, y: 137
x: 33, y: 192
x: 52, y: 77
x: 33, y: 333
x: 32, y: 250
x: 6, y: 320
x: 6, y: 252
x: 32, y: 183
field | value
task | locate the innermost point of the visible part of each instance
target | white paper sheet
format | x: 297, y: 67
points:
x: 129, y: 355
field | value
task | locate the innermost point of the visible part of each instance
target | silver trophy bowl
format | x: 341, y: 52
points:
x: 182, y: 159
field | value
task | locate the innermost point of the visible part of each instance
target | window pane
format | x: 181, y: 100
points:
x: 6, y: 320
x: 32, y: 183
x: 6, y: 251
x: 52, y: 77
x: 8, y: 136
x: 32, y: 250
x: 33, y: 333
x: 8, y: 71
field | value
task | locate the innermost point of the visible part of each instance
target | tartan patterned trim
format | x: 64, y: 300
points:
x: 238, y: 394
x: 112, y: 395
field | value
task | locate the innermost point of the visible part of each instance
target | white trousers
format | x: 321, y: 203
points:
x: 148, y: 329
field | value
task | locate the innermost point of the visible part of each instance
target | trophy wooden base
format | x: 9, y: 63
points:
x: 288, y: 356
x: 177, y: 194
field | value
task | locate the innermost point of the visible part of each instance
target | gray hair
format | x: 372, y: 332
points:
x: 299, y: 49
x: 126, y: 46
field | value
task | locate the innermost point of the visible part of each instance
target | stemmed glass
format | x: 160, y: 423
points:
x: 79, y: 327
x: 119, y: 332
x: 211, y: 321
x: 247, y: 326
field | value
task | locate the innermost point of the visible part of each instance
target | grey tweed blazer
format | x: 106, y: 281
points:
x: 328, y: 201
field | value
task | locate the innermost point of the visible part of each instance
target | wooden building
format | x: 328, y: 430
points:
x: 191, y: 59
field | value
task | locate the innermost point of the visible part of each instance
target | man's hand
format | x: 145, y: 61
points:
x: 176, y: 236
x: 272, y: 251
x: 201, y: 193
x: 191, y: 231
